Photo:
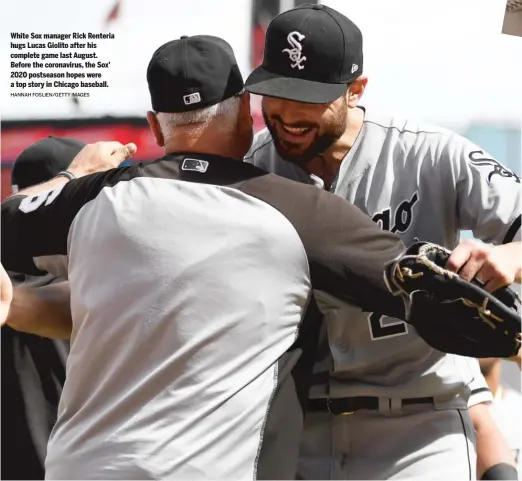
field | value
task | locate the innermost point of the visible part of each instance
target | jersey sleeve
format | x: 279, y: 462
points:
x: 480, y: 392
x: 37, y: 226
x: 488, y: 194
x: 346, y: 250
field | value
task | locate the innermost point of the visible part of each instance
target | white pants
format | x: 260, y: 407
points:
x: 415, y: 443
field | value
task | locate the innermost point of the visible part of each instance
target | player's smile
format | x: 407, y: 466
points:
x: 296, y: 135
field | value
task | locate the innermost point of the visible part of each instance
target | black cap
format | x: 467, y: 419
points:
x: 312, y: 53
x: 43, y: 160
x: 193, y: 73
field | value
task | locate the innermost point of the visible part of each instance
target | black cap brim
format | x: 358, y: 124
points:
x: 263, y: 82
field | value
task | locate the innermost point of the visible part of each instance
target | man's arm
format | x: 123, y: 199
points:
x: 36, y: 221
x: 492, y: 449
x: 44, y: 311
x: 487, y: 198
x: 347, y: 251
x: 493, y: 453
x: 92, y: 158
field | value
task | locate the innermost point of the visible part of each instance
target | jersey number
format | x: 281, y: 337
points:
x: 402, y: 218
x: 31, y: 203
x: 379, y: 331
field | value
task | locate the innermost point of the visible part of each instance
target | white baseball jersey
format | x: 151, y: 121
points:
x: 419, y: 182
x: 506, y: 410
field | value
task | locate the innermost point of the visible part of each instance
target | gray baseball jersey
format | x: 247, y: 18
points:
x: 419, y: 182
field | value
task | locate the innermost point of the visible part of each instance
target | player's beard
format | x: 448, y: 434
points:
x: 327, y: 134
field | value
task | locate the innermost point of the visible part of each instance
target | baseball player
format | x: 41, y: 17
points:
x: 33, y: 368
x: 506, y: 407
x: 177, y: 368
x: 385, y: 405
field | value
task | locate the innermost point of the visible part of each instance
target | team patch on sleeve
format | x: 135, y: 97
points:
x: 480, y: 159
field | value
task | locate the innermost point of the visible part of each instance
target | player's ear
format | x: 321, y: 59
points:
x: 245, y: 105
x: 244, y: 124
x: 152, y: 119
x: 356, y: 91
x: 244, y: 117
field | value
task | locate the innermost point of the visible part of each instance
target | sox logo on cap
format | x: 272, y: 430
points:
x: 294, y: 39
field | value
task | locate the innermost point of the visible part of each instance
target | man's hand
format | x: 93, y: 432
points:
x: 97, y: 157
x: 6, y: 295
x: 101, y: 156
x: 496, y: 266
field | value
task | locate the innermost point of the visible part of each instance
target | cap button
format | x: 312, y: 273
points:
x: 317, y: 7
x: 183, y: 37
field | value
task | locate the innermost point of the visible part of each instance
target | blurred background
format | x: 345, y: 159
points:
x: 445, y: 62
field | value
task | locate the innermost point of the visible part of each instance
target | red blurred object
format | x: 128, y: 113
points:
x: 114, y: 13
x: 6, y: 183
x: 18, y: 135
x: 263, y: 11
x: 258, y: 45
x: 17, y: 139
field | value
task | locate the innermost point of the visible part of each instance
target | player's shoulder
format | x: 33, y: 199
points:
x: 261, y: 148
x: 304, y: 193
x: 410, y: 131
x: 421, y: 137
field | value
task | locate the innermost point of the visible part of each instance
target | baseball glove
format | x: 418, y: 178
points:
x: 449, y: 313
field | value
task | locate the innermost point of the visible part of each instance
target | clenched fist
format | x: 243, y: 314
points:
x: 100, y: 157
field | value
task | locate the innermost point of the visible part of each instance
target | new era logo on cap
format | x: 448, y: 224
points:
x: 192, y: 98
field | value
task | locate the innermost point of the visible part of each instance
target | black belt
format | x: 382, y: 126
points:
x: 348, y: 405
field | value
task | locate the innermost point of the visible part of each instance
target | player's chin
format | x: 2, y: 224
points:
x: 295, y: 153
